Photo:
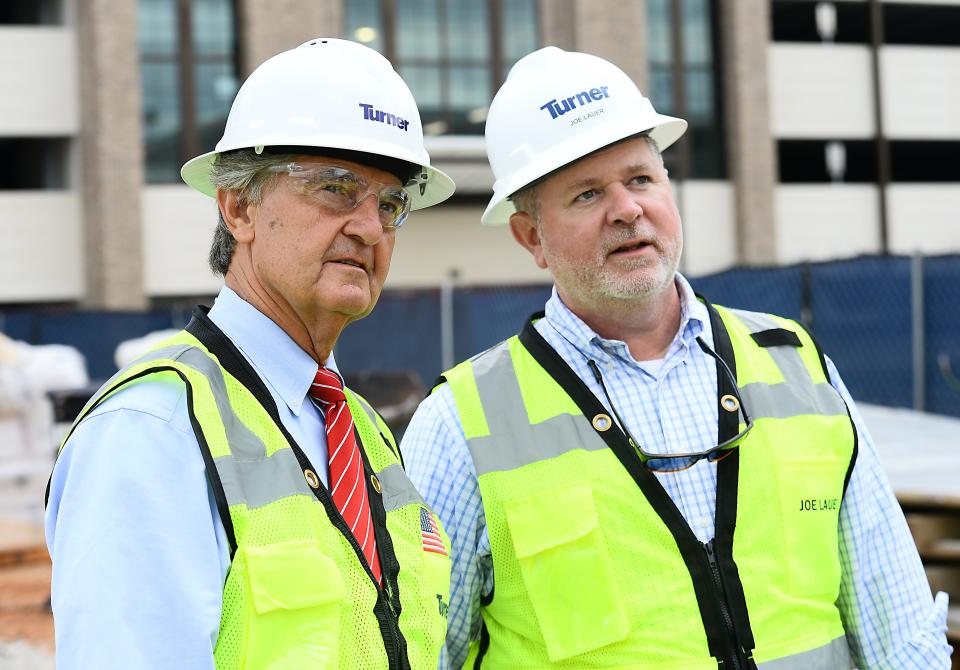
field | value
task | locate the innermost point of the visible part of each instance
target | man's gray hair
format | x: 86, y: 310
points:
x: 247, y: 172
x: 527, y: 199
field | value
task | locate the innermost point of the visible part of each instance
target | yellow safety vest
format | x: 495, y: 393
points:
x: 299, y: 593
x: 595, y: 567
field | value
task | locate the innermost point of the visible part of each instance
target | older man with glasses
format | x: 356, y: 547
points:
x: 224, y: 502
x: 641, y: 479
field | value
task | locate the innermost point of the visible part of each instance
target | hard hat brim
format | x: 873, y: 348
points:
x: 665, y: 131
x: 424, y: 192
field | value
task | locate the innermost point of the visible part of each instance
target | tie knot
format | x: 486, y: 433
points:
x: 327, y: 388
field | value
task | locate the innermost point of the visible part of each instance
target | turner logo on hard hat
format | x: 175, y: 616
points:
x: 569, y: 104
x: 523, y: 145
x: 376, y: 115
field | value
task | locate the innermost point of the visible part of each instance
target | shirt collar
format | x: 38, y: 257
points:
x: 694, y: 322
x: 279, y: 361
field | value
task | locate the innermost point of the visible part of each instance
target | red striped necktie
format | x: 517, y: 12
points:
x: 348, y: 486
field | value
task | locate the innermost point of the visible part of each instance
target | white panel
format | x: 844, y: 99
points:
x: 920, y: 88
x: 41, y: 257
x: 439, y: 239
x: 820, y: 91
x: 38, y: 81
x: 924, y: 217
x: 709, y: 231
x: 820, y: 222
x: 178, y: 226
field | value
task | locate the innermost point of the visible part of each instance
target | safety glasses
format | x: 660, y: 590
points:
x: 337, y: 190
x: 731, y: 403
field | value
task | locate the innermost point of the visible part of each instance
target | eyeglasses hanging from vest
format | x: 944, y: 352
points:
x: 729, y: 402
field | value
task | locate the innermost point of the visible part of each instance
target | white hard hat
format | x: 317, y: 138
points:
x: 557, y: 106
x: 334, y: 94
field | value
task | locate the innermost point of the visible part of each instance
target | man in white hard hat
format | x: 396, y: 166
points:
x: 223, y: 502
x: 639, y: 478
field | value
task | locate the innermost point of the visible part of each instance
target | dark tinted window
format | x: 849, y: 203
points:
x: 698, y: 98
x: 189, y: 74
x: 921, y: 24
x: 841, y: 22
x: 35, y: 12
x: 33, y: 163
x: 806, y: 161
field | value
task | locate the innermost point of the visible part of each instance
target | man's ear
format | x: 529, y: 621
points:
x: 526, y: 231
x: 237, y: 216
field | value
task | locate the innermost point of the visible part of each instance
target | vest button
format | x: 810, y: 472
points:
x: 730, y: 403
x: 375, y: 482
x: 312, y: 479
x: 602, y: 422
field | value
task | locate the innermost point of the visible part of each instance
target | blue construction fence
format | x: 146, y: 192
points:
x: 860, y: 309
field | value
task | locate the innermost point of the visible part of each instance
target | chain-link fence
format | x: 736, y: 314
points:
x: 889, y: 323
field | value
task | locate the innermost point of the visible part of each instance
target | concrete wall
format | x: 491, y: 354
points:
x: 920, y: 92
x: 821, y: 91
x: 924, y: 217
x: 177, y: 226
x: 38, y: 54
x: 41, y: 258
x: 709, y: 226
x: 826, y: 221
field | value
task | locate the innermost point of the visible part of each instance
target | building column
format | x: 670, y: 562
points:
x: 612, y: 29
x: 111, y: 150
x: 268, y: 27
x: 745, y: 31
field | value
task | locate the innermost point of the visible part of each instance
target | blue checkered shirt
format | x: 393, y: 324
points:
x: 891, y: 620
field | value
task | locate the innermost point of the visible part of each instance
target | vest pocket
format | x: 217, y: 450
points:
x: 566, y: 569
x: 811, y: 491
x: 295, y: 593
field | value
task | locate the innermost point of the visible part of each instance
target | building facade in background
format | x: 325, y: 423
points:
x: 819, y: 130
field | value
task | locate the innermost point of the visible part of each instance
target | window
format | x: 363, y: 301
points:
x: 454, y: 54
x: 33, y: 163
x: 31, y: 12
x: 816, y: 21
x: 688, y: 89
x: 189, y: 73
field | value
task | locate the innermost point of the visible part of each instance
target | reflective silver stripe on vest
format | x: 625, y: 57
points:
x: 832, y: 656
x: 513, y: 442
x: 397, y: 488
x: 248, y: 475
x: 257, y: 483
x: 799, y: 395
x: 244, y: 444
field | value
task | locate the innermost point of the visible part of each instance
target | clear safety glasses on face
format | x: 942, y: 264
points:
x: 338, y: 190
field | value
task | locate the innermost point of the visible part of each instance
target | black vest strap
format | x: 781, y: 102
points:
x: 233, y: 362
x: 690, y: 547
x: 728, y: 479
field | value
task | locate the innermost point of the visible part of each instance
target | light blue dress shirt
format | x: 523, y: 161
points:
x: 670, y: 406
x: 139, y: 553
